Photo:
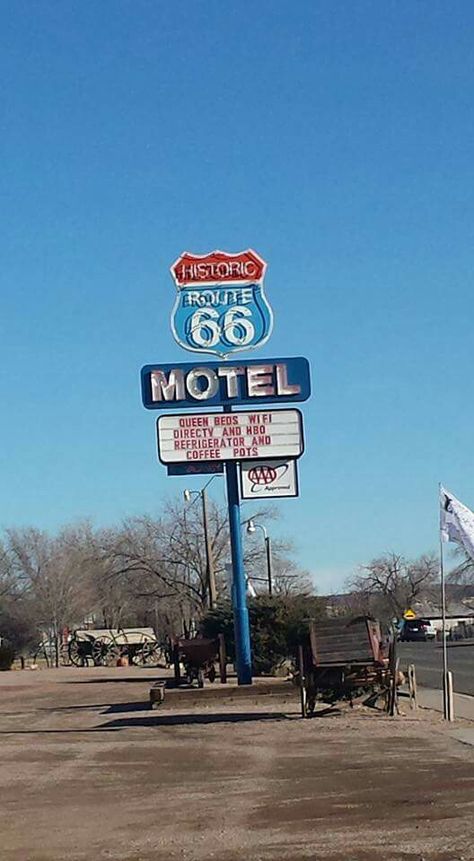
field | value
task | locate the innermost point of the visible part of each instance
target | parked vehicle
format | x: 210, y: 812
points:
x: 416, y: 630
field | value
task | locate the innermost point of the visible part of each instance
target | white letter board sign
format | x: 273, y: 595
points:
x: 230, y: 436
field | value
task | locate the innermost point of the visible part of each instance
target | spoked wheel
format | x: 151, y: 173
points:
x: 310, y: 703
x: 105, y: 652
x: 149, y: 654
x: 303, y: 700
x: 78, y: 651
x: 305, y: 711
x: 64, y: 658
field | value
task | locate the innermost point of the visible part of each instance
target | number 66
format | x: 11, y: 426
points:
x: 207, y: 328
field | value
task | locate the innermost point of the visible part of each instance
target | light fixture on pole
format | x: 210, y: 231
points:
x: 210, y: 574
x: 251, y: 528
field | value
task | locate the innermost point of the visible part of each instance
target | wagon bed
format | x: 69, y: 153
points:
x: 340, y: 658
x: 339, y: 642
x: 122, y: 636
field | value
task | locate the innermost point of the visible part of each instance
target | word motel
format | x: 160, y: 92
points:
x: 225, y: 383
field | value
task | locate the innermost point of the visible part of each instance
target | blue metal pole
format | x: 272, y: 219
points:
x: 239, y: 590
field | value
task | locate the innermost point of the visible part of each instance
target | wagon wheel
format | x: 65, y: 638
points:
x: 304, y: 709
x: 392, y: 707
x: 393, y: 666
x: 311, y: 702
x: 105, y: 652
x: 64, y: 658
x: 149, y: 654
x: 189, y: 677
x: 302, y: 684
x: 77, y: 652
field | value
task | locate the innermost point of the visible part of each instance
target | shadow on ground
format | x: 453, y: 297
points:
x: 137, y: 680
x: 109, y: 708
x: 156, y: 720
x: 190, y: 719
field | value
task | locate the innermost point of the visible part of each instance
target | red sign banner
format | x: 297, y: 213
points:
x: 218, y: 267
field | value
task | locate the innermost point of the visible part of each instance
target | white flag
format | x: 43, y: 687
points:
x: 456, y: 521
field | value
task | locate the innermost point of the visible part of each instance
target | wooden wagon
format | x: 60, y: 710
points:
x: 342, y: 659
x: 198, y: 658
x: 104, y: 646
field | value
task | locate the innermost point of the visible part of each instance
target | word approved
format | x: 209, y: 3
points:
x: 225, y: 384
x: 230, y: 436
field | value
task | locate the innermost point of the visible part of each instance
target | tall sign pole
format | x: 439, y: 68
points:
x: 221, y: 309
x: 241, y: 613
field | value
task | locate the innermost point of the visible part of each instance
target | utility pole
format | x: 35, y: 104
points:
x: 268, y: 548
x: 210, y: 575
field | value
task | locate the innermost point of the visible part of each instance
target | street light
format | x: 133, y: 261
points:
x: 210, y: 575
x: 251, y: 527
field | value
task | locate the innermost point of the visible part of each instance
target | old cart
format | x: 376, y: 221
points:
x: 104, y: 646
x: 198, y: 658
x: 342, y: 659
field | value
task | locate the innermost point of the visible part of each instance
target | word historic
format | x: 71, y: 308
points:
x: 217, y: 267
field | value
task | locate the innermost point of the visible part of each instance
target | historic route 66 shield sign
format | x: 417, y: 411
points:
x: 221, y: 307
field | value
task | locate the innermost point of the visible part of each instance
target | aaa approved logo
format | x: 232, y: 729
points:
x: 221, y: 306
x: 276, y: 478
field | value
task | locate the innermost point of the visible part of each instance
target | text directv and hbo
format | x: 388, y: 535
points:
x: 224, y: 383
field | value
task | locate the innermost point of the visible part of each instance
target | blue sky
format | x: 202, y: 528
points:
x: 336, y: 138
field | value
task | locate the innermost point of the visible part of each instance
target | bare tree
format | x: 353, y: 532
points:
x: 163, y: 561
x: 10, y: 583
x: 148, y: 570
x: 463, y: 573
x: 139, y: 568
x: 460, y: 582
x: 387, y: 586
x: 52, y: 575
x: 287, y: 577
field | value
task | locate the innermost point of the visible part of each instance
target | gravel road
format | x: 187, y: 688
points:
x: 89, y: 772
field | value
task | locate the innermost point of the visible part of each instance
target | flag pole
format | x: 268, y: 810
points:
x: 446, y: 697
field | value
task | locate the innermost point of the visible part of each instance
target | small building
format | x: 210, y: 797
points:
x: 458, y: 615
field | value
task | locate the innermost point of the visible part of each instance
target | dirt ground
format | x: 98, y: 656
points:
x: 88, y: 771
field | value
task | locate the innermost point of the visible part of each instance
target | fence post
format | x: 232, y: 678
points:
x: 449, y: 696
x: 222, y: 659
x: 412, y: 686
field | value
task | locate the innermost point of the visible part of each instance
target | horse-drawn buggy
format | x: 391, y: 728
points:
x: 103, y: 647
x: 343, y: 659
